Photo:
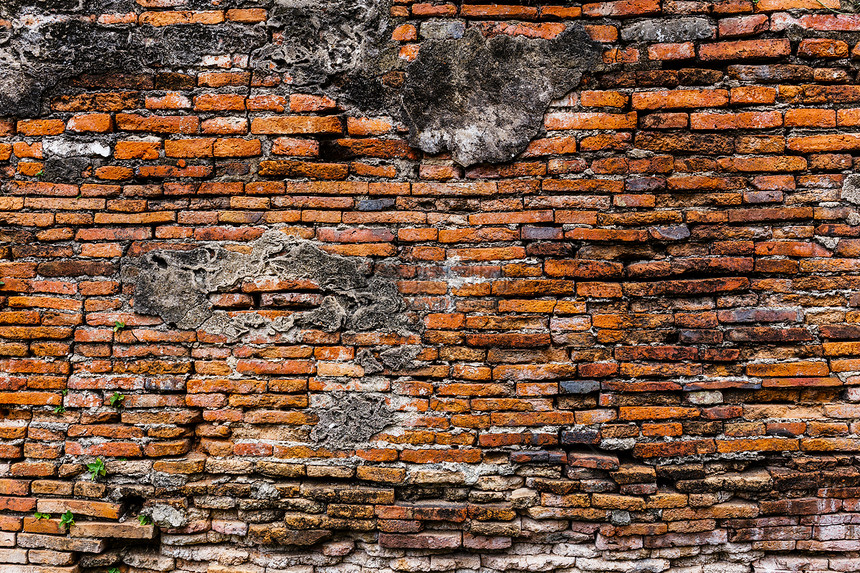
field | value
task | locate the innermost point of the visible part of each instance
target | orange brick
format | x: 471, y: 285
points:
x: 681, y: 51
x: 94, y: 122
x: 822, y: 48
x: 296, y: 124
x: 810, y: 118
x: 745, y: 49
x: 34, y: 127
x: 753, y: 95
x: 247, y: 15
x: 137, y: 149
x: 189, y: 148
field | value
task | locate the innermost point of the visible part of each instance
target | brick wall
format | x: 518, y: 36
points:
x: 248, y: 326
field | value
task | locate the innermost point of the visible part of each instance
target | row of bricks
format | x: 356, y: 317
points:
x: 736, y: 50
x: 825, y: 441
x: 195, y: 230
x: 661, y: 165
x: 628, y: 8
x: 534, y: 196
x: 756, y: 154
x: 452, y: 397
x: 602, y: 9
x: 466, y: 428
x: 638, y: 195
x: 303, y: 125
x: 474, y: 352
x: 111, y: 175
x: 458, y: 393
x: 463, y: 451
x: 528, y: 377
x: 23, y: 310
x: 719, y: 51
x: 720, y: 262
x: 737, y: 257
x: 299, y: 103
x: 820, y: 322
x: 332, y: 125
x: 467, y: 431
x: 502, y: 11
x: 725, y: 28
x: 443, y: 453
x: 604, y: 316
x: 794, y: 241
x: 465, y: 383
x: 740, y: 26
x: 714, y: 145
x: 469, y: 382
x: 517, y: 288
x: 785, y: 374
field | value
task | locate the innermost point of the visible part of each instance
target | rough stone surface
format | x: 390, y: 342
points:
x: 319, y: 39
x: 166, y: 516
x: 400, y: 357
x: 483, y: 99
x: 176, y: 285
x: 669, y: 30
x: 351, y: 419
x: 851, y: 189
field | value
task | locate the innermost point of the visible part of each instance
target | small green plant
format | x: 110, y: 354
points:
x: 118, y: 325
x: 40, y: 173
x: 114, y: 570
x: 96, y: 469
x: 64, y: 391
x: 38, y: 515
x: 67, y: 520
x: 2, y: 284
x: 117, y: 400
x: 59, y: 409
x: 144, y: 519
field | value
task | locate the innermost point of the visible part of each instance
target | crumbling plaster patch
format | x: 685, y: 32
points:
x: 483, y: 99
x: 176, y: 286
x: 351, y: 418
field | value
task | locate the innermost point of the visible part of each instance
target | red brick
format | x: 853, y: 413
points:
x: 296, y: 124
x: 745, y: 49
x: 94, y: 122
x: 822, y: 48
x: 36, y: 127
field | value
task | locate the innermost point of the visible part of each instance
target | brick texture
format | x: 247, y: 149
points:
x: 634, y: 346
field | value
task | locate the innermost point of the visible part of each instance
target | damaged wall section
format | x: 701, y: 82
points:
x: 177, y: 286
x: 480, y: 98
x: 321, y: 291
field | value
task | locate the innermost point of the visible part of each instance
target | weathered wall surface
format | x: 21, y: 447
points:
x: 353, y: 286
